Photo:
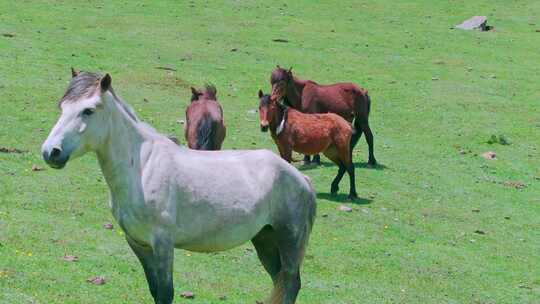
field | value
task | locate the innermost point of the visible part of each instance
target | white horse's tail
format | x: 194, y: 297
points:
x: 278, y: 293
x: 311, y: 214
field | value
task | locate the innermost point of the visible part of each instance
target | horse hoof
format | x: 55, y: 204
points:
x: 334, y: 192
x: 372, y: 163
x: 352, y: 197
x: 307, y: 163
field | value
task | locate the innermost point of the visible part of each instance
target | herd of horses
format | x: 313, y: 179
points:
x: 165, y: 196
x: 302, y: 116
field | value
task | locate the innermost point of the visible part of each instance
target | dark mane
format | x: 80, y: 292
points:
x: 82, y: 85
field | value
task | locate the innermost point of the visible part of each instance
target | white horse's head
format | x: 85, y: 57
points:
x: 85, y: 119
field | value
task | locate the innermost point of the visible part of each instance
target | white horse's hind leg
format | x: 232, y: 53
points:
x: 288, y: 283
x: 267, y: 251
x: 291, y: 239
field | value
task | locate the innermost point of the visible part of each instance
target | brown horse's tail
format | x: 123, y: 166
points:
x: 368, y: 103
x: 206, y: 134
x: 362, y: 107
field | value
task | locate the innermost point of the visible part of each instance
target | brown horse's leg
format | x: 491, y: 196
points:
x: 333, y: 154
x: 369, y: 140
x: 307, y: 159
x: 344, y: 154
x: 317, y: 159
x: 335, y: 183
x: 352, y: 181
x: 361, y: 124
x: 285, y: 153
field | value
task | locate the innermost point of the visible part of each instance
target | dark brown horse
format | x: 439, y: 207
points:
x: 205, y: 129
x: 345, y: 99
x: 309, y: 134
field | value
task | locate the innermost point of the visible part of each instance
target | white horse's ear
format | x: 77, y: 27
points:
x: 74, y: 73
x: 105, y: 82
x: 261, y: 94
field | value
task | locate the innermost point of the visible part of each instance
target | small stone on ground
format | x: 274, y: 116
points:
x: 37, y: 168
x: 187, y: 295
x: 489, y: 155
x: 345, y: 208
x: 71, y: 258
x: 97, y: 281
x: 473, y: 23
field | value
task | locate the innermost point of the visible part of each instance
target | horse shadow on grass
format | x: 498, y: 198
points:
x: 325, y: 164
x: 343, y: 198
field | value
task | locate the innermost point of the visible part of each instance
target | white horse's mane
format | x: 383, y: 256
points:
x: 130, y: 113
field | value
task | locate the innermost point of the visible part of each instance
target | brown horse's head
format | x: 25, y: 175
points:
x: 280, y: 79
x: 209, y: 92
x: 265, y: 104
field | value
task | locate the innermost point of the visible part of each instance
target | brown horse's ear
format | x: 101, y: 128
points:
x: 195, y: 94
x: 261, y: 94
x: 290, y: 70
x: 194, y: 91
x: 105, y: 82
x: 277, y: 66
x: 74, y: 73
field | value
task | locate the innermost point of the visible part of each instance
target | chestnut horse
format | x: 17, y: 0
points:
x: 345, y: 99
x: 309, y: 134
x: 205, y: 129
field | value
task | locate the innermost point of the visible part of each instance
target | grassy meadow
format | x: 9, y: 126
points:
x: 435, y: 222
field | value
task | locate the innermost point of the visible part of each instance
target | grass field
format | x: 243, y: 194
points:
x: 436, y: 222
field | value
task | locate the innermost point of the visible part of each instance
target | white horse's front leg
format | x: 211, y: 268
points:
x: 145, y: 255
x: 157, y: 262
x: 163, y: 257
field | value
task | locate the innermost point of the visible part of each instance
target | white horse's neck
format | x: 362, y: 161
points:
x: 120, y: 157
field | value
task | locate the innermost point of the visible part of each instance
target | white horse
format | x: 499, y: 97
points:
x: 165, y: 197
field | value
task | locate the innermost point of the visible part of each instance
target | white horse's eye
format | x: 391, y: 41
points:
x: 88, y: 112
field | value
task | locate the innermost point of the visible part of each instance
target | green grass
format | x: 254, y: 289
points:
x: 411, y: 237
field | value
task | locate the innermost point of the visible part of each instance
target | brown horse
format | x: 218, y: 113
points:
x: 309, y: 134
x: 345, y: 99
x: 205, y: 129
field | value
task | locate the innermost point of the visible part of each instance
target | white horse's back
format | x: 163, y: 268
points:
x: 217, y: 200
